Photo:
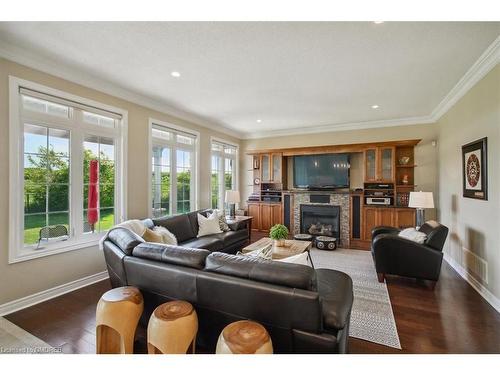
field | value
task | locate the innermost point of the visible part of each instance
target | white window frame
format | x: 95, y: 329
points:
x: 223, y: 157
x: 173, y: 145
x: 18, y: 252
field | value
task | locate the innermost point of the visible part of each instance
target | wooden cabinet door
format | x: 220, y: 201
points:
x: 404, y: 218
x: 276, y: 167
x: 385, y: 217
x: 371, y: 165
x: 265, y: 168
x: 276, y: 214
x: 386, y: 164
x: 369, y: 221
x: 254, y: 211
x: 266, y: 216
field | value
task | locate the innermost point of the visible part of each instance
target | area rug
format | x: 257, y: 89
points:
x: 372, y: 318
x: 15, y: 340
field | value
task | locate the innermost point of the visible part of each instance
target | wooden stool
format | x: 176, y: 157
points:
x: 244, y: 337
x: 118, y: 313
x: 172, y: 328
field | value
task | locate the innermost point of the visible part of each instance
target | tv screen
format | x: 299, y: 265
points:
x: 327, y: 171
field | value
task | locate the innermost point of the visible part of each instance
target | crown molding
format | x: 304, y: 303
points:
x: 483, y: 65
x: 342, y: 127
x: 78, y: 76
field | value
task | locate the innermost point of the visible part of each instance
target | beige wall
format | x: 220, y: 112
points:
x: 474, y: 224
x: 22, y: 279
x: 425, y: 154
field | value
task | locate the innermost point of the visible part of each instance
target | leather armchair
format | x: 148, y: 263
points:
x: 395, y: 255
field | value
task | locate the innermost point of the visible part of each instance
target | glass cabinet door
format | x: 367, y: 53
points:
x: 370, y: 165
x: 264, y: 166
x: 276, y: 167
x: 387, y: 159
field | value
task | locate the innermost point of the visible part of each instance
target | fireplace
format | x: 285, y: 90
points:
x: 320, y: 220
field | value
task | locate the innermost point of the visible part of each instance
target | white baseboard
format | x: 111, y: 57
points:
x: 483, y: 292
x: 56, y: 291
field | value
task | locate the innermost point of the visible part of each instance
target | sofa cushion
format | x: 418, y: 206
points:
x: 182, y: 256
x: 179, y: 225
x: 211, y: 243
x: 336, y: 295
x: 232, y: 237
x: 258, y: 269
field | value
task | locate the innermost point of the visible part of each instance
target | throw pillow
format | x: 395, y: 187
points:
x: 167, y: 236
x: 222, y: 221
x: 150, y: 236
x: 413, y: 235
x: 266, y: 252
x: 301, y: 258
x: 208, y: 225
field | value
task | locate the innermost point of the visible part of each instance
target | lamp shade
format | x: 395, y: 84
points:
x: 232, y: 196
x: 421, y: 199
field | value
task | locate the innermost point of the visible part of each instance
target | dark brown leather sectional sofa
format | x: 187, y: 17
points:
x: 304, y: 310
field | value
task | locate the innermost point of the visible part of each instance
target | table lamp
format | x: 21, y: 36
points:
x: 421, y: 200
x: 232, y: 197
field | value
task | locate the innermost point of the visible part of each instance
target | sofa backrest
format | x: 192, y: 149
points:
x: 436, y: 234
x: 176, y: 255
x: 258, y: 269
x: 184, y: 226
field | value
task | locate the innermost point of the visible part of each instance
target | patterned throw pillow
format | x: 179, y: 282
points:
x: 222, y: 221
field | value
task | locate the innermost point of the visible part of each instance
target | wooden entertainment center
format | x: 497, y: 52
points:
x: 388, y: 176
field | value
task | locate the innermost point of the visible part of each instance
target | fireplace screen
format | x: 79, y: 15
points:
x: 320, y: 220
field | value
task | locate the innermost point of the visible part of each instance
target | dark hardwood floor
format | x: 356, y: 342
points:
x: 453, y: 318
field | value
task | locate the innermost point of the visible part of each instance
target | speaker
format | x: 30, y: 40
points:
x: 287, y: 211
x: 356, y: 216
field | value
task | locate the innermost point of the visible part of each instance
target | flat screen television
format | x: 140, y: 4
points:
x: 328, y: 171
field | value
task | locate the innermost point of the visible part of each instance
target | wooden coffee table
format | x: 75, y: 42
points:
x: 292, y: 247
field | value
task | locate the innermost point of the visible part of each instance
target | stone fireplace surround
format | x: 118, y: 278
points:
x: 336, y: 199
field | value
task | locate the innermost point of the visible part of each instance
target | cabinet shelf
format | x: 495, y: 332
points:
x: 406, y: 186
x: 406, y: 166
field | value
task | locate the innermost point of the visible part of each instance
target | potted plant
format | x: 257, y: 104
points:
x: 279, y: 233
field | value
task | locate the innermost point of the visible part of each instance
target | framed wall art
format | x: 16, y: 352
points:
x: 475, y: 169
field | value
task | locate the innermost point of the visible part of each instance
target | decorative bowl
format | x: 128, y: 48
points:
x: 404, y: 160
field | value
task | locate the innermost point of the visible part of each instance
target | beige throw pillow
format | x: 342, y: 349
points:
x: 167, y: 236
x: 301, y: 258
x: 150, y: 236
x: 208, y: 225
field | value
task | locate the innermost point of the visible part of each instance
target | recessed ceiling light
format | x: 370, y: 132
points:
x: 175, y: 74
x: 375, y: 106
x: 259, y: 121
x: 378, y: 22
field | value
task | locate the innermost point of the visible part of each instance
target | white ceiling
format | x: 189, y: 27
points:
x: 291, y: 75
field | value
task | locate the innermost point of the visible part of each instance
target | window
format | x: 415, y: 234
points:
x: 68, y: 189
x: 173, y: 160
x: 223, y: 171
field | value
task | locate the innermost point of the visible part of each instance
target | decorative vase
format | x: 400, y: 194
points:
x: 279, y: 243
x: 405, y: 179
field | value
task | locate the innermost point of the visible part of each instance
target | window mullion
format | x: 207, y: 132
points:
x: 76, y: 183
x: 173, y: 181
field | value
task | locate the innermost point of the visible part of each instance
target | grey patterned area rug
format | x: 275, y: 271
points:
x: 372, y: 318
x: 15, y: 340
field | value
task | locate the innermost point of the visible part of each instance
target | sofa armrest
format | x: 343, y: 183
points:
x: 125, y: 239
x: 394, y: 254
x: 336, y: 296
x: 384, y: 230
